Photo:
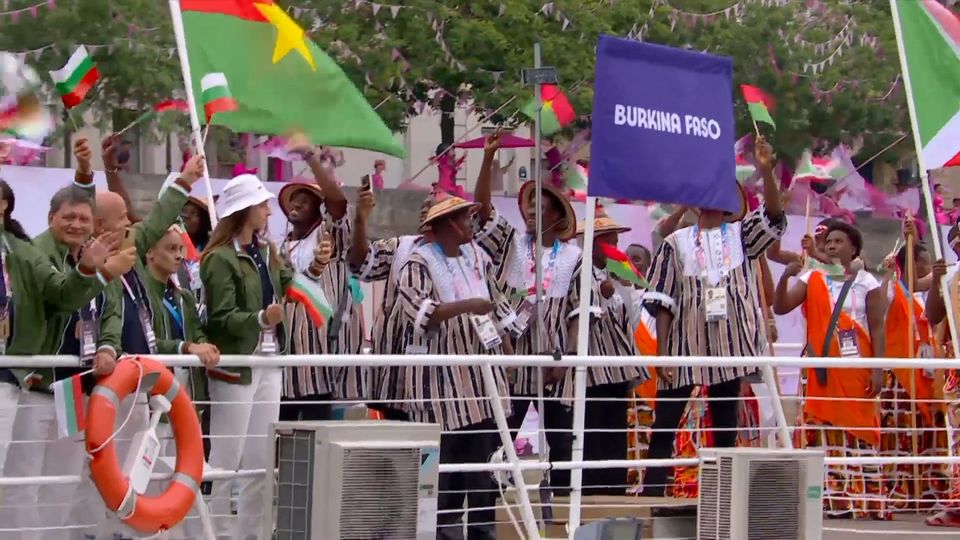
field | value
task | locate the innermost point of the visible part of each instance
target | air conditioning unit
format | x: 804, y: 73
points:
x: 760, y: 494
x: 364, y: 480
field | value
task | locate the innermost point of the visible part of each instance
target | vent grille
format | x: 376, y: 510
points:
x: 716, y: 483
x: 295, y: 485
x: 774, y: 500
x: 379, y: 494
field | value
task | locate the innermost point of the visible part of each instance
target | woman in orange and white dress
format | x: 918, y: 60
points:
x: 840, y: 408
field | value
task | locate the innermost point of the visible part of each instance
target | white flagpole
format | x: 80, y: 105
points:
x: 177, y: 18
x: 580, y: 377
x: 924, y: 177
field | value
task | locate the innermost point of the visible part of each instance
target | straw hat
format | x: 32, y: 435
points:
x: 528, y: 191
x: 202, y: 201
x: 242, y: 192
x: 292, y: 188
x: 446, y: 205
x: 602, y: 223
x: 424, y: 209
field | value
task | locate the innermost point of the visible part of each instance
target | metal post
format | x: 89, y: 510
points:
x: 580, y: 377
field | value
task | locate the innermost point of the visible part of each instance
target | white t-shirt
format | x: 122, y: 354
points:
x: 855, y: 304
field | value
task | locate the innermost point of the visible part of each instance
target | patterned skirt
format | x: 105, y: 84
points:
x: 907, y: 485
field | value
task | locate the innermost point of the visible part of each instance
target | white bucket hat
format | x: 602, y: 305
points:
x: 243, y: 192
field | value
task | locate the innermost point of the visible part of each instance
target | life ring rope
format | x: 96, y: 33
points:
x: 144, y: 513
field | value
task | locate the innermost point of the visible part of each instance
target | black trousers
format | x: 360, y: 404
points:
x: 605, y: 437
x: 466, y: 445
x: 294, y: 409
x: 558, y: 422
x: 667, y: 415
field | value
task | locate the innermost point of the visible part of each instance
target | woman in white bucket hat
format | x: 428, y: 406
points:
x: 245, y: 278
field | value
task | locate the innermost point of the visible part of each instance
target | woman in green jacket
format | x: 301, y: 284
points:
x: 244, y: 278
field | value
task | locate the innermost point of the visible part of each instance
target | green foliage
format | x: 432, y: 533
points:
x: 490, y: 41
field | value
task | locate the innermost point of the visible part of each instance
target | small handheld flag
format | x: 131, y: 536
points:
x: 619, y: 265
x: 557, y: 111
x: 309, y: 293
x: 215, y: 95
x: 75, y: 79
x: 71, y: 406
x: 760, y: 104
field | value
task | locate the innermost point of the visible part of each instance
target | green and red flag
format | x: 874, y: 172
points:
x: 70, y: 403
x: 172, y: 105
x: 310, y: 294
x: 282, y: 82
x: 759, y: 103
x: 928, y: 35
x: 557, y: 111
x: 215, y: 95
x: 620, y: 265
x: 75, y: 79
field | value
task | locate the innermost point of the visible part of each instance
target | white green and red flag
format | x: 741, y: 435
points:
x: 71, y: 406
x: 309, y: 293
x: 215, y: 95
x: 75, y: 79
x: 759, y: 103
x: 929, y: 38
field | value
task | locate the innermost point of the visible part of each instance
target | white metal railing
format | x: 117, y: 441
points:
x: 767, y: 365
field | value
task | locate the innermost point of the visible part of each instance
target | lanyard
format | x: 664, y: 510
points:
x: 551, y: 264
x: 256, y: 257
x: 467, y: 279
x: 176, y: 312
x: 722, y: 253
x: 137, y: 296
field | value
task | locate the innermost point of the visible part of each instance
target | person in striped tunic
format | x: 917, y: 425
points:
x: 448, y: 304
x: 703, y: 294
x: 513, y: 253
x: 382, y: 260
x: 315, y: 212
x: 605, y: 416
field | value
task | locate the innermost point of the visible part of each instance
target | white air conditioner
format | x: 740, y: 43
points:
x: 760, y: 494
x: 364, y: 480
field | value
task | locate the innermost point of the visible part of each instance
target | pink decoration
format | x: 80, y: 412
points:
x: 507, y: 140
x: 14, y: 16
x: 51, y: 5
x: 34, y: 10
x: 447, y: 167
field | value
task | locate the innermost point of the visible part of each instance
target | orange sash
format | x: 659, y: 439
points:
x: 841, y: 382
x: 646, y: 346
x: 898, y: 346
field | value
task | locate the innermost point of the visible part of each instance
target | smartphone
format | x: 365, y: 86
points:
x: 365, y: 182
x: 127, y: 240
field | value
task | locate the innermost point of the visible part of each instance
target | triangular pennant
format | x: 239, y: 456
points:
x: 376, y: 9
x: 394, y: 10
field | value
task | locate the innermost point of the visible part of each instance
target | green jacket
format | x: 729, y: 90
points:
x: 145, y: 235
x: 110, y: 317
x: 163, y: 326
x: 234, y: 300
x: 39, y: 293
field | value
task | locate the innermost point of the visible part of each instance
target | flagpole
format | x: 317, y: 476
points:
x: 924, y: 179
x: 580, y: 373
x: 176, y: 17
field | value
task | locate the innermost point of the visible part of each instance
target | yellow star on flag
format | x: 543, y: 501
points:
x: 290, y: 37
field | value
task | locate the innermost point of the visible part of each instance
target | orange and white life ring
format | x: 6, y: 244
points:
x: 143, y: 513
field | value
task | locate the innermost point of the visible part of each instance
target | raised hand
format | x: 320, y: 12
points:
x: 763, y: 153
x: 194, y: 169
x: 81, y: 151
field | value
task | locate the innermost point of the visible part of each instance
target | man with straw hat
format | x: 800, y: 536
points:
x: 316, y: 212
x: 605, y: 420
x: 513, y: 253
x: 376, y: 261
x: 703, y: 295
x: 449, y: 304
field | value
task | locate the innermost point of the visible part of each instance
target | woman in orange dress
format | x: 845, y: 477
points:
x: 840, y: 409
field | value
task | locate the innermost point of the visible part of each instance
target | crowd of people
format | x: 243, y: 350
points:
x: 101, y: 283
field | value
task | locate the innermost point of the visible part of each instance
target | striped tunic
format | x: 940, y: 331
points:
x: 453, y: 396
x: 512, y: 256
x: 385, y: 259
x: 679, y: 280
x: 344, y: 383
